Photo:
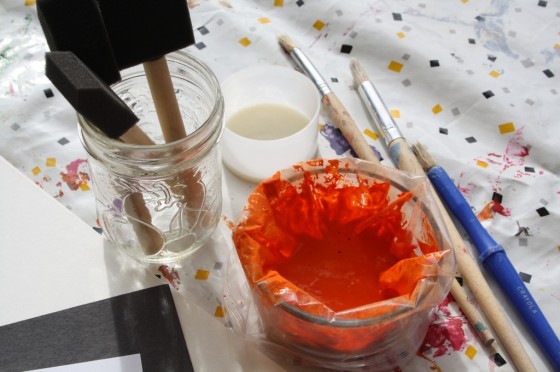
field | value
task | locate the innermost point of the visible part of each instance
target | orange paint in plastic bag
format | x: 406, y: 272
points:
x: 330, y: 249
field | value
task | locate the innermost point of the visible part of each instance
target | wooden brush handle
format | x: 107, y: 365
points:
x: 472, y: 314
x: 349, y: 128
x: 472, y: 275
x: 165, y: 101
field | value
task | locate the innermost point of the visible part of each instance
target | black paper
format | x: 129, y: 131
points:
x: 143, y: 322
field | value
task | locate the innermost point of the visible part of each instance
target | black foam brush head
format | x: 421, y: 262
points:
x: 89, y: 95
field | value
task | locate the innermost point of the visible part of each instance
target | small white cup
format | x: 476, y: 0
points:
x: 257, y: 159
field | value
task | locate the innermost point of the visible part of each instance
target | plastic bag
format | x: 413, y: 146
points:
x: 324, y: 201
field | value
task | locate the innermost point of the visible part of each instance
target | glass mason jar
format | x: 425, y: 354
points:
x: 161, y: 202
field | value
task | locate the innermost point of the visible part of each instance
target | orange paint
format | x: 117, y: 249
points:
x: 333, y: 243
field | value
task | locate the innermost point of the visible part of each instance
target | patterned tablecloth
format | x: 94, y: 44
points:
x: 474, y: 81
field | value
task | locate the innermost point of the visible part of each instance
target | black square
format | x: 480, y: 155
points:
x: 334, y: 80
x: 63, y: 141
x: 472, y: 41
x: 470, y: 139
x: 492, y: 58
x: 434, y: 63
x: 200, y: 45
x: 346, y: 48
x: 488, y: 94
x: 525, y: 277
x: 480, y: 18
x: 498, y: 359
x: 203, y: 30
x: 497, y: 197
x: 542, y: 3
x: 397, y: 16
x: 459, y: 280
x: 548, y: 73
x: 48, y: 93
x: 530, y: 169
x: 299, y: 2
x: 443, y: 131
x: 543, y: 212
x: 98, y: 230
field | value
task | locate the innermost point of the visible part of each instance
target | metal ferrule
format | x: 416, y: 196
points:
x: 307, y: 67
x: 379, y: 113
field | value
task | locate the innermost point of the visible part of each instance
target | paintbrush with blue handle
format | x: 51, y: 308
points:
x: 493, y: 257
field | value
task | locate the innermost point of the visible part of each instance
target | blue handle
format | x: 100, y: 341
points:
x: 497, y: 263
x: 507, y: 277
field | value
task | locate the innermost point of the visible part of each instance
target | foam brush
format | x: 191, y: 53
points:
x: 493, y: 257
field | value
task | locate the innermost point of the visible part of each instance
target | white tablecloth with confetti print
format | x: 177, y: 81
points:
x: 474, y: 81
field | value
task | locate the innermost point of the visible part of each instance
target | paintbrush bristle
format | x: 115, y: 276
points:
x: 423, y: 156
x: 358, y: 72
x: 286, y: 43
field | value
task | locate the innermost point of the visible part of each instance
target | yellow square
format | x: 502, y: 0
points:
x: 482, y: 164
x: 494, y: 73
x: 51, y: 162
x: 278, y: 2
x: 29, y: 2
x: 470, y: 352
x: 395, y: 66
x: 245, y: 42
x: 202, y: 274
x: 219, y: 312
x: 36, y: 171
x: 556, y: 46
x: 84, y: 186
x: 395, y: 114
x: 506, y: 128
x: 264, y: 20
x: 368, y: 132
x: 318, y: 25
x: 437, y: 109
x: 401, y: 35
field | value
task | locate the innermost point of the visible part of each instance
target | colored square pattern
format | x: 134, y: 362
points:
x: 318, y: 25
x: 245, y: 42
x: 202, y: 274
x: 346, y: 49
x: 470, y: 352
x: 506, y: 128
x: 525, y: 277
x: 395, y: 66
x: 371, y: 134
x: 543, y: 212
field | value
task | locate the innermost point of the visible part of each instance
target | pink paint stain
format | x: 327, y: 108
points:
x: 499, y: 208
x: 445, y: 334
x: 171, y: 275
x: 515, y: 154
x: 74, y: 177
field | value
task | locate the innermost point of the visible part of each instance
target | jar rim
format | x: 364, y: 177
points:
x: 197, y: 137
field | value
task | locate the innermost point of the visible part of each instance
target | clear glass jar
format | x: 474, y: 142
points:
x: 161, y: 202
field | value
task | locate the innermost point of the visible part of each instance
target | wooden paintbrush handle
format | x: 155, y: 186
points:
x: 165, y: 101
x: 472, y: 314
x: 470, y: 272
x: 339, y: 115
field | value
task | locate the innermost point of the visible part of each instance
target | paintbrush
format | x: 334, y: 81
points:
x: 493, y: 257
x: 405, y: 160
x: 337, y: 112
